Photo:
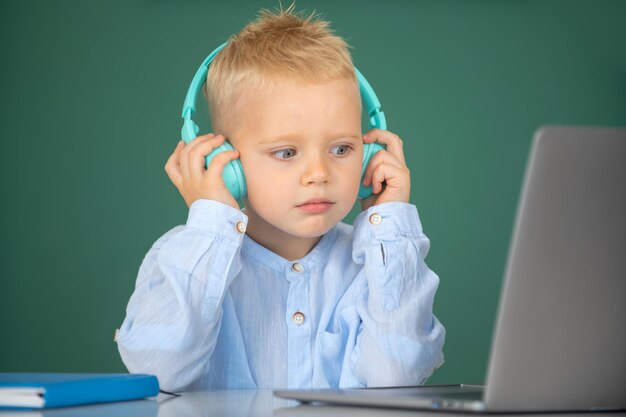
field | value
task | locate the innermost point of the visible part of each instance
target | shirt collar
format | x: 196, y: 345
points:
x: 266, y: 257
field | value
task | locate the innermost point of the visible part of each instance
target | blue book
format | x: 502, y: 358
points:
x: 46, y: 390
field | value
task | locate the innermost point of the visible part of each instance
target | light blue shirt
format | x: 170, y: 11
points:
x: 214, y: 309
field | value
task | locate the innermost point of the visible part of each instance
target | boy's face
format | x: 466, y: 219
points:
x: 299, y: 143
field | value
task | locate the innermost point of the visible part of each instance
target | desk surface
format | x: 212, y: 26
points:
x: 235, y: 404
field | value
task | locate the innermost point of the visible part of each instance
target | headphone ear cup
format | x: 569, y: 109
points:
x: 233, y: 174
x: 369, y: 150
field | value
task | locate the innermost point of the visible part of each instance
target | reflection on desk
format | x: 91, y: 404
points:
x: 236, y: 403
x: 231, y: 403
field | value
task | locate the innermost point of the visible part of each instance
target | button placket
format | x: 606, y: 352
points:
x: 298, y: 269
x: 299, y: 326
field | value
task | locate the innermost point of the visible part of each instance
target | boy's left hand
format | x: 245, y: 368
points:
x: 387, y: 171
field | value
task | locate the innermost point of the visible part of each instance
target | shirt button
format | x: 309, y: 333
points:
x: 376, y: 218
x: 298, y: 318
x: 241, y: 227
x: 297, y: 267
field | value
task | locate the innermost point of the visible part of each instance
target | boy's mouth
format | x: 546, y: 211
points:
x: 316, y: 205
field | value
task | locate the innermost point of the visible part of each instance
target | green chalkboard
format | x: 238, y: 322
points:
x: 91, y: 94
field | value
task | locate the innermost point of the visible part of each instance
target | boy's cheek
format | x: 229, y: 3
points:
x: 262, y: 181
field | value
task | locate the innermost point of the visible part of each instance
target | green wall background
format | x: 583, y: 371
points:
x: 91, y: 94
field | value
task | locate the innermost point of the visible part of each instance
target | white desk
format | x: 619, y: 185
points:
x: 238, y: 404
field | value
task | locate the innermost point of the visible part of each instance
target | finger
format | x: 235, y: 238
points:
x: 378, y: 177
x: 391, y: 176
x: 196, y: 141
x: 197, y: 156
x: 193, y: 156
x: 216, y: 168
x: 201, y: 138
x: 172, y: 166
x: 179, y: 146
x: 391, y: 140
x: 175, y: 176
x: 183, y: 158
x: 175, y: 156
x: 381, y: 157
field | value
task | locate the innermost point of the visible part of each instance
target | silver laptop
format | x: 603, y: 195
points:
x: 560, y: 337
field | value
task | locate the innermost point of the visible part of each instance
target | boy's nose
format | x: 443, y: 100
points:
x: 316, y: 171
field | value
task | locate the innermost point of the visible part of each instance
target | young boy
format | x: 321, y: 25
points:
x: 282, y: 294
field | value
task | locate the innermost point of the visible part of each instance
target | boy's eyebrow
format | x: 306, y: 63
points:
x: 282, y: 138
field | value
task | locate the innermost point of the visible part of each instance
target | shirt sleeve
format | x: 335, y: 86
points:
x: 174, y: 314
x: 400, y: 341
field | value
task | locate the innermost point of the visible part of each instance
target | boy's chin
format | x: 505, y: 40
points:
x: 316, y: 226
x: 309, y: 232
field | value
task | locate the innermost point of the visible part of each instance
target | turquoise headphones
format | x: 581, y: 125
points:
x: 233, y: 172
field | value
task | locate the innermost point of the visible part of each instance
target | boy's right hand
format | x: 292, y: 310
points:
x: 185, y: 168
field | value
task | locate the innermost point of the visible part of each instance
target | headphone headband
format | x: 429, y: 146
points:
x: 376, y: 118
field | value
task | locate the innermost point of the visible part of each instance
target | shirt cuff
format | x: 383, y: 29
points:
x: 217, y: 218
x: 387, y: 222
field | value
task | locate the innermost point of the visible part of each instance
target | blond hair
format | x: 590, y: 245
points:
x: 274, y: 46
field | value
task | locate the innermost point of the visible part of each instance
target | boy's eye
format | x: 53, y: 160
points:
x: 285, y: 153
x: 340, y: 150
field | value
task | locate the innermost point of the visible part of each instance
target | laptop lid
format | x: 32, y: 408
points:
x: 560, y: 336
